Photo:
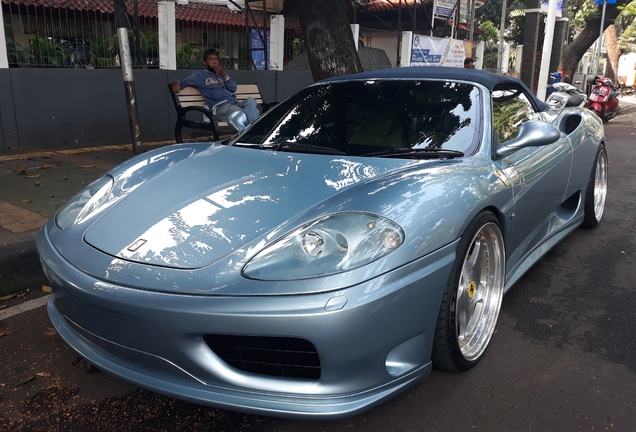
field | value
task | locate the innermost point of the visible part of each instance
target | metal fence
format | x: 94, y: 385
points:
x: 63, y: 37
x: 49, y: 35
x: 82, y: 34
x: 378, y: 49
x: 45, y: 36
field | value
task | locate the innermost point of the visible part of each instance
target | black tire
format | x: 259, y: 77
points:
x: 469, y: 292
x: 596, y: 193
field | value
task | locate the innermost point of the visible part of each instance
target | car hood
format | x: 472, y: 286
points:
x: 200, y: 208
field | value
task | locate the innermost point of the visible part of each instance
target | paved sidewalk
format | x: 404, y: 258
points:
x: 33, y: 184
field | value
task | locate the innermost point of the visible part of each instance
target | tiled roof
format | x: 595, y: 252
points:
x: 393, y: 5
x: 206, y: 12
x: 387, y: 5
x: 194, y: 11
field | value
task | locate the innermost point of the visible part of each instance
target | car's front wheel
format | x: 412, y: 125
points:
x: 596, y: 190
x: 472, y: 300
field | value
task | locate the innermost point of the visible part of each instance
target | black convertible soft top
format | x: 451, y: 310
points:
x: 487, y: 79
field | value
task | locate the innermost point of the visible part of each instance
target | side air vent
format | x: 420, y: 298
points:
x: 570, y: 123
x: 274, y: 356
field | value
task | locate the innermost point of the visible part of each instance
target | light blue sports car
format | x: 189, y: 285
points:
x: 325, y: 259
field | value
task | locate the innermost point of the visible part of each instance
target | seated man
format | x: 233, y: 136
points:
x: 217, y: 88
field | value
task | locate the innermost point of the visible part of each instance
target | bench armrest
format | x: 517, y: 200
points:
x: 205, y: 111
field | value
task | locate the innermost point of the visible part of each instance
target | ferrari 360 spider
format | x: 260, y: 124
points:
x: 327, y: 257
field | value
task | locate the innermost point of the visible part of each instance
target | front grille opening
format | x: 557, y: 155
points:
x: 273, y: 356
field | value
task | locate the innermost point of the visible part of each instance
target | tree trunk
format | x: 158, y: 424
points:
x: 573, y: 53
x: 611, y: 45
x: 328, y: 38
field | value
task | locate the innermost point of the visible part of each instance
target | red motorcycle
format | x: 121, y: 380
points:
x: 603, y: 99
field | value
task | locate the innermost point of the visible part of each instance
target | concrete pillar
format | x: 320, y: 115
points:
x: 355, y: 29
x: 505, y: 58
x: 518, y: 57
x: 167, y: 36
x: 407, y: 47
x: 276, y: 42
x: 479, y: 55
x: 530, y: 43
x: 560, y: 33
x: 8, y: 129
x: 4, y: 57
x: 547, y: 51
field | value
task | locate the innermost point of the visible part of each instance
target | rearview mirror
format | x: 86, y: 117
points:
x: 530, y: 134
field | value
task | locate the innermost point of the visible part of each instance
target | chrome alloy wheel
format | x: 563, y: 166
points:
x: 480, y: 291
x: 600, y: 185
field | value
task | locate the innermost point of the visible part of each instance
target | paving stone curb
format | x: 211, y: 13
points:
x: 20, y: 268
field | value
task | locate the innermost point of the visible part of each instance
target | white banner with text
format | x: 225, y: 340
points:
x: 432, y: 51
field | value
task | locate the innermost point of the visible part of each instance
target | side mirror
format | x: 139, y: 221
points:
x: 530, y: 134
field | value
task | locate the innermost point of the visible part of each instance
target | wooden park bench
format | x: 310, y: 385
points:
x: 189, y: 99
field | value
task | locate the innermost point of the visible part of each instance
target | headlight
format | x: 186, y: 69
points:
x: 84, y: 203
x: 332, y: 244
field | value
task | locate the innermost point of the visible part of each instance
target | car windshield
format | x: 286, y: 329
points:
x: 380, y: 118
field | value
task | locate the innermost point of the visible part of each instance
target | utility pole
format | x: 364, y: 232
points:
x: 600, y: 38
x: 472, y: 19
x: 502, y: 28
x: 121, y: 23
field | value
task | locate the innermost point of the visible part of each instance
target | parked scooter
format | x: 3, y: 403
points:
x: 565, y: 95
x: 553, y: 78
x: 603, y: 99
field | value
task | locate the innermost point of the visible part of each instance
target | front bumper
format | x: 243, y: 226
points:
x: 373, y: 339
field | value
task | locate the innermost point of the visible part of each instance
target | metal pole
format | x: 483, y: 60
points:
x: 399, y: 38
x: 432, y: 19
x: 600, y: 39
x: 471, y: 35
x: 135, y: 29
x: 452, y: 15
x: 414, y: 16
x: 355, y: 8
x: 265, y: 47
x: 127, y: 72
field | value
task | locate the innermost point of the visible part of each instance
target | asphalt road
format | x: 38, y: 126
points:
x: 563, y: 357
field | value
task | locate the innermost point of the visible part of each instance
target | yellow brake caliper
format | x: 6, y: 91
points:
x: 472, y: 286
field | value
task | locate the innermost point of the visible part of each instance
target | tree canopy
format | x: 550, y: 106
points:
x: 588, y: 17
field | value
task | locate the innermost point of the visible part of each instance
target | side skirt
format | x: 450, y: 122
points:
x: 557, y: 226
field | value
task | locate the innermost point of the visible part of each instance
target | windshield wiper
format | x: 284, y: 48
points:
x: 417, y: 152
x: 294, y: 147
x: 306, y: 148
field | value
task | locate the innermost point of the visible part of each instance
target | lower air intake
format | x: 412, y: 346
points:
x: 274, y: 356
